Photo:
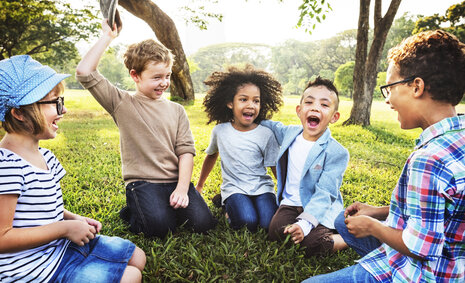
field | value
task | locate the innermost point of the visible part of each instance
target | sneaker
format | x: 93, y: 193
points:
x: 216, y: 200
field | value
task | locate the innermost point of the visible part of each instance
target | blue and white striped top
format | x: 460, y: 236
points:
x: 40, y: 202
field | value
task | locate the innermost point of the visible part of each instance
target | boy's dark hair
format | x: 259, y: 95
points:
x: 223, y: 87
x: 319, y: 81
x: 438, y: 58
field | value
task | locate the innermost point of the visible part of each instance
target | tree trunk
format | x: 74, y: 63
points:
x: 365, y: 69
x: 166, y: 32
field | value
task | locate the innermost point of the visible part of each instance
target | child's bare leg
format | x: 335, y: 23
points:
x: 339, y: 243
x: 131, y: 275
x: 133, y: 272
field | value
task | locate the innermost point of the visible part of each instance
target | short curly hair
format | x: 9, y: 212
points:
x: 438, y: 58
x: 223, y: 86
x: 139, y: 54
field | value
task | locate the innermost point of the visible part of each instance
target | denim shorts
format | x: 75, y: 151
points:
x: 103, y: 259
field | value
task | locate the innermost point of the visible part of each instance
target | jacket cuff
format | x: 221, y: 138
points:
x: 308, y: 217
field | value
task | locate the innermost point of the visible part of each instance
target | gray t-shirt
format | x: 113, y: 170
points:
x: 244, y: 158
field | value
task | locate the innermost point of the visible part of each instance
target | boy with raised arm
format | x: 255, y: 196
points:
x: 157, y: 147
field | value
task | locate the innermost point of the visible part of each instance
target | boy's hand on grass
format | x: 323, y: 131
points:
x: 179, y: 199
x: 296, y: 233
x: 79, y: 232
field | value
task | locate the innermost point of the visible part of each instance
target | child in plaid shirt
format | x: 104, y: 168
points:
x: 422, y: 239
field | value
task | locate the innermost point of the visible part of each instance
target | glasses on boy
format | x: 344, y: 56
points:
x: 386, y: 89
x: 60, y: 101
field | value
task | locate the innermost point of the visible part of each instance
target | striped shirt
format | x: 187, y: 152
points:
x: 428, y: 204
x: 39, y: 203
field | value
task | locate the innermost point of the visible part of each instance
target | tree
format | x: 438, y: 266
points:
x: 165, y: 30
x: 366, y: 60
x: 343, y: 78
x: 45, y: 29
x: 455, y: 16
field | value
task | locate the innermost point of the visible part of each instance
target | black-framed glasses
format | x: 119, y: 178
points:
x: 386, y: 89
x: 60, y: 102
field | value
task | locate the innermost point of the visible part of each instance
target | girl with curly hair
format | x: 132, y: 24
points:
x: 237, y: 100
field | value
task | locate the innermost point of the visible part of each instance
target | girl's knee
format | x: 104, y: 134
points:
x: 138, y: 259
x: 131, y: 275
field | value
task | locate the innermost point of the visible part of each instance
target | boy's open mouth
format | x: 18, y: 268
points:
x: 313, y: 121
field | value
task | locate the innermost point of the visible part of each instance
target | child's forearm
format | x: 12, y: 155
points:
x: 186, y: 165
x: 20, y: 239
x: 392, y: 237
x: 90, y: 61
x: 207, y: 167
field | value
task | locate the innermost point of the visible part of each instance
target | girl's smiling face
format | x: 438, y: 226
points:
x: 245, y: 107
x: 51, y: 116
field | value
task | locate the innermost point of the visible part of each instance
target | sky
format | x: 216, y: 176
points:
x: 263, y: 21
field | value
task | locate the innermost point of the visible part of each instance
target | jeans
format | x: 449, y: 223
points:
x: 150, y: 211
x: 103, y: 259
x: 355, y: 273
x: 361, y: 245
x: 251, y: 211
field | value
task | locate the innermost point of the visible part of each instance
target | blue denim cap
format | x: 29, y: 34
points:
x: 24, y: 81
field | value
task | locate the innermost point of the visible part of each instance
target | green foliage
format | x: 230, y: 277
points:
x: 344, y: 78
x: 217, y: 57
x: 454, y: 16
x: 113, y: 68
x: 88, y: 147
x: 401, y: 28
x: 312, y: 12
x: 47, y: 29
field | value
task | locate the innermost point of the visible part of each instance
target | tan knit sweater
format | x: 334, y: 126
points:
x: 153, y: 133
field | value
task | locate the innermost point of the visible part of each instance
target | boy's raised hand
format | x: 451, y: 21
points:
x: 106, y: 30
x: 296, y: 232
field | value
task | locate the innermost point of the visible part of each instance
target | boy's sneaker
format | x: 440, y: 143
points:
x: 124, y: 214
x: 216, y: 200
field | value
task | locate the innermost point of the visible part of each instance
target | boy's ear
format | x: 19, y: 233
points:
x: 297, y: 109
x: 418, y: 87
x: 335, y: 117
x: 230, y: 105
x: 134, y: 75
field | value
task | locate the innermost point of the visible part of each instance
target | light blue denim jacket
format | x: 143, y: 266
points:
x: 321, y: 177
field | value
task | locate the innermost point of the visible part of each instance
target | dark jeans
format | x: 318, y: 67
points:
x: 361, y: 245
x: 150, y: 211
x: 318, y: 242
x: 251, y: 211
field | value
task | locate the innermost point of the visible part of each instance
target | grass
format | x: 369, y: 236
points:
x: 88, y: 148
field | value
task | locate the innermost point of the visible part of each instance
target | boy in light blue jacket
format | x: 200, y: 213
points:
x: 310, y: 168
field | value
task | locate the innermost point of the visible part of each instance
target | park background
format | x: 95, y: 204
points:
x: 88, y: 140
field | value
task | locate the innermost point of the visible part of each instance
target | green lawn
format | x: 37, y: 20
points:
x: 88, y: 148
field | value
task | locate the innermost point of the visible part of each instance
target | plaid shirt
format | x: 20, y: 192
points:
x: 428, y: 204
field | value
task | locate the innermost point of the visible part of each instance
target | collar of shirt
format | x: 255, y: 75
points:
x: 456, y: 123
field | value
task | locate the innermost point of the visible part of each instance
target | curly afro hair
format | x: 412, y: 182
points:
x: 438, y: 58
x: 223, y: 87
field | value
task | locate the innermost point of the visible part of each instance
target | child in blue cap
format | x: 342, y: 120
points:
x: 40, y: 240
